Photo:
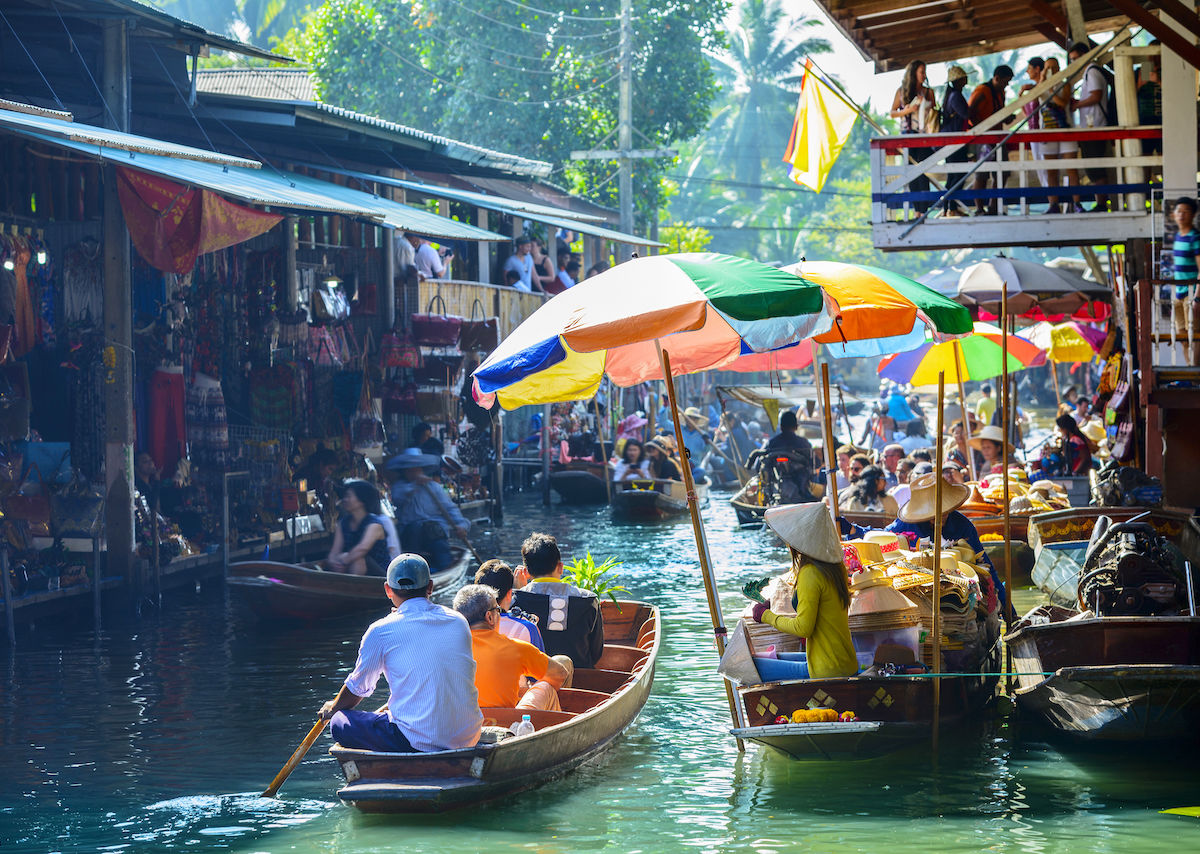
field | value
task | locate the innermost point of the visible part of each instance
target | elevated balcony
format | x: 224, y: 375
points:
x: 1018, y: 193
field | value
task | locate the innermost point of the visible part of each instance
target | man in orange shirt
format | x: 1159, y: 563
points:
x: 502, y: 664
x: 988, y: 98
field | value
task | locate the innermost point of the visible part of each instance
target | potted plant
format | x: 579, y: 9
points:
x: 586, y: 574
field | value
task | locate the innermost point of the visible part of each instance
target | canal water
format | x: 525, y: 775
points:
x: 159, y: 737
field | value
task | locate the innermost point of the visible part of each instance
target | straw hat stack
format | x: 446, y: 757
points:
x: 877, y: 606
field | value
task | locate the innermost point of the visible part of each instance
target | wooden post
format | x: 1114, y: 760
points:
x: 937, y: 565
x: 830, y: 463
x: 1006, y: 599
x: 9, y: 626
x: 706, y: 571
x: 962, y: 400
x: 1054, y: 373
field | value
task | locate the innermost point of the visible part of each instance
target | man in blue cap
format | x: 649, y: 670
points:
x: 433, y: 704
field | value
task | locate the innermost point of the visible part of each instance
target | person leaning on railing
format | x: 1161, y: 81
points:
x: 955, y: 119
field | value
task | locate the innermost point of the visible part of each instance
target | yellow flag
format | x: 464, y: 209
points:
x: 823, y: 124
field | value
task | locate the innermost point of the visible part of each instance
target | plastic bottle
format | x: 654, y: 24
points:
x: 523, y: 727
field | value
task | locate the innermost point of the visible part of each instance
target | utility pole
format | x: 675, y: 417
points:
x: 625, y: 153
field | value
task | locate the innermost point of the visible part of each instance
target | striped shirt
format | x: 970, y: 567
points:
x: 433, y: 699
x: 1185, y: 250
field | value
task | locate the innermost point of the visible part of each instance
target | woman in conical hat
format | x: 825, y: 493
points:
x: 916, y: 517
x: 822, y: 599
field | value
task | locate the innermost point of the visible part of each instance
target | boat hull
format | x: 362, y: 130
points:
x: 438, y: 782
x: 581, y: 484
x: 1112, y: 678
x: 275, y: 590
x: 667, y: 499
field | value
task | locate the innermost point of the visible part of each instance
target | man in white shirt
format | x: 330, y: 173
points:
x: 424, y: 511
x: 433, y: 704
x: 521, y: 263
x: 429, y: 263
x: 1092, y: 106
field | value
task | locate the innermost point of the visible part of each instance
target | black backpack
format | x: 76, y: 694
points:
x: 1108, y: 104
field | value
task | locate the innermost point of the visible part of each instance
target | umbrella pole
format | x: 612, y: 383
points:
x: 936, y: 660
x: 1004, y: 413
x: 962, y: 401
x: 1057, y: 390
x: 600, y: 435
x: 706, y: 571
x: 830, y: 452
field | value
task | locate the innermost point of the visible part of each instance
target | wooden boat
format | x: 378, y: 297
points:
x: 746, y: 504
x: 893, y: 712
x: 653, y: 499
x: 1110, y: 678
x: 604, y: 701
x: 276, y: 590
x: 1059, y: 540
x: 580, y: 482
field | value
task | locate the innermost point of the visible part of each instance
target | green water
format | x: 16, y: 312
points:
x: 159, y: 737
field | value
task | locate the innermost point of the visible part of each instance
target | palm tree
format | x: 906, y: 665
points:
x: 759, y: 72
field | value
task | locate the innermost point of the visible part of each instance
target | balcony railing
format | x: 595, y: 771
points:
x: 508, y: 304
x: 1019, y: 193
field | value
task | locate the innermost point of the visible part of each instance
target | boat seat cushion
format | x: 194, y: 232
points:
x: 570, y: 625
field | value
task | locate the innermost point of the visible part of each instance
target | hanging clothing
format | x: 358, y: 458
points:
x: 24, y: 318
x: 167, y: 441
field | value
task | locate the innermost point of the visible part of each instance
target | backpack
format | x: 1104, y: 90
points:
x: 1107, y: 104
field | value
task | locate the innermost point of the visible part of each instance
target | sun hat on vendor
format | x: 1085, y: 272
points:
x: 412, y: 458
x: 990, y: 432
x: 808, y: 529
x: 922, y: 493
x: 699, y: 419
x: 630, y: 425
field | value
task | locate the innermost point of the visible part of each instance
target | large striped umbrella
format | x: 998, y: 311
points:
x: 976, y: 357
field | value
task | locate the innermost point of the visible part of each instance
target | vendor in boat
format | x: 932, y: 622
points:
x: 424, y: 511
x: 433, y: 704
x: 822, y: 598
x: 360, y: 544
x: 868, y: 494
x: 659, y: 462
x: 502, y: 663
x: 1074, y: 456
x: 633, y: 464
x: 795, y: 476
x: 916, y: 518
x: 989, y: 441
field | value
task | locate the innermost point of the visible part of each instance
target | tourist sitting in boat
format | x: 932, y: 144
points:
x: 796, y: 475
x: 916, y: 518
x: 822, y: 597
x: 868, y: 494
x: 423, y: 509
x: 569, y: 618
x: 502, y: 663
x: 433, y: 704
x: 514, y: 623
x: 1074, y: 453
x: 633, y: 463
x: 359, y: 540
x: 989, y: 441
x: 659, y: 464
x: 958, y: 449
x: 694, y: 429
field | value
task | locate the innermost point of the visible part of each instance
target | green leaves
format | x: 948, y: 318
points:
x: 585, y: 574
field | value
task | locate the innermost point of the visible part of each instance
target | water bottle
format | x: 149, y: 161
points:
x: 523, y: 727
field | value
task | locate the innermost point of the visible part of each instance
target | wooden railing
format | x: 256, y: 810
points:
x: 508, y: 304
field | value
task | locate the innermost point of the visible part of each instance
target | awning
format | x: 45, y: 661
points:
x: 285, y: 190
x: 33, y: 124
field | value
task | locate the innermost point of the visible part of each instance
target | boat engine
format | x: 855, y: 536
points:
x: 1130, y: 570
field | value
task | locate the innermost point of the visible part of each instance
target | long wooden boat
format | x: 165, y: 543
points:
x: 1110, y: 678
x: 745, y: 503
x: 275, y: 590
x: 580, y: 482
x: 653, y: 499
x: 893, y: 712
x: 1059, y: 541
x: 602, y: 703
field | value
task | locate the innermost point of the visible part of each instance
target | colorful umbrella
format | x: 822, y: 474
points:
x: 976, y: 357
x: 707, y: 309
x: 1030, y: 285
x: 1066, y: 342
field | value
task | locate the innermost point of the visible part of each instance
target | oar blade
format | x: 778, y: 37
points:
x: 294, y: 760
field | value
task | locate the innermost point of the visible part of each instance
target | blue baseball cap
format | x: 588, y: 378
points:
x: 408, y: 572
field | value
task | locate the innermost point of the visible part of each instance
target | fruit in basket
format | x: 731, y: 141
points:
x: 848, y: 717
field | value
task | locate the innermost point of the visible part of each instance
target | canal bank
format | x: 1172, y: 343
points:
x: 159, y: 737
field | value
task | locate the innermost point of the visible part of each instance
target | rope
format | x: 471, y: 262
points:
x: 33, y: 62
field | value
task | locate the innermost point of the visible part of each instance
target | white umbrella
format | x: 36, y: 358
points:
x: 1028, y: 284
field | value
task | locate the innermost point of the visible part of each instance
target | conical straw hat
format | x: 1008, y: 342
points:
x: 807, y: 528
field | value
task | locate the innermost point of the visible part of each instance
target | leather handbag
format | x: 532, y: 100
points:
x: 1120, y: 397
x: 435, y: 405
x: 436, y: 330
x: 14, y: 419
x: 439, y: 369
x: 479, y: 335
x: 1125, y: 444
x: 400, y: 398
x: 397, y: 352
x: 75, y: 512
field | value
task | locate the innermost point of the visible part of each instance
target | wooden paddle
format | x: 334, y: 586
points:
x: 294, y: 759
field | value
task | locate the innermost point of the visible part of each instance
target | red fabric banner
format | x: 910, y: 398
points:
x: 171, y: 224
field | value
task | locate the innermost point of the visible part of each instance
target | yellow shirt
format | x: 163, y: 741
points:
x: 824, y: 622
x: 985, y: 409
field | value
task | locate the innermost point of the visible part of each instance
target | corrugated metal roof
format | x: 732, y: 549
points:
x: 266, y: 187
x: 271, y: 84
x: 29, y: 122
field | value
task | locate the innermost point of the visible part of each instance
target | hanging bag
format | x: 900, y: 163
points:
x: 481, y: 335
x: 436, y: 330
x: 366, y: 430
x: 438, y: 369
x: 397, y: 352
x: 75, y: 512
x: 31, y: 503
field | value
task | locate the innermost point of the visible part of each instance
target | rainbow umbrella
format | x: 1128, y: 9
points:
x: 1066, y: 342
x: 976, y: 357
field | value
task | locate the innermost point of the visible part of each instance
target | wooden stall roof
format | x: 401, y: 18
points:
x: 891, y: 33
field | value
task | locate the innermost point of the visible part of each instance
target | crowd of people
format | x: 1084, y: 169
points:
x: 512, y: 640
x: 1085, y: 101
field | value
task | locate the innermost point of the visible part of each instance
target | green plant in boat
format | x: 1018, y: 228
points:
x: 586, y: 574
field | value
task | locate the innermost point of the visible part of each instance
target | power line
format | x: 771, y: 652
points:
x: 523, y: 69
x: 752, y: 186
x: 562, y: 15
x: 527, y: 31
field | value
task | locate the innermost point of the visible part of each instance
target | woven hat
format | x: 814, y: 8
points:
x: 412, y: 458
x: 957, y: 72
x: 890, y: 544
x: 989, y: 431
x: 920, y: 506
x: 698, y: 418
x: 868, y: 552
x: 807, y: 528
